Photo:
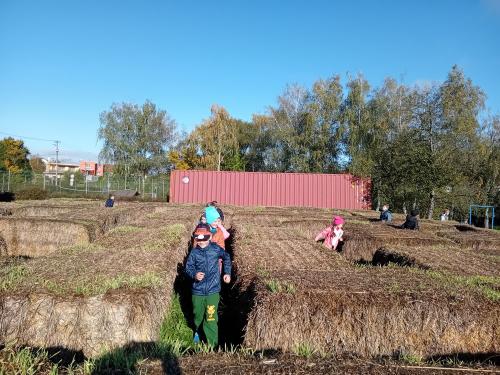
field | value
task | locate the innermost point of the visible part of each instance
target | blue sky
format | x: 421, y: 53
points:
x: 63, y: 62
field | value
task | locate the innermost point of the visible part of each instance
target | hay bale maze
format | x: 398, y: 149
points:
x: 89, y: 279
x: 85, y: 279
x: 389, y: 292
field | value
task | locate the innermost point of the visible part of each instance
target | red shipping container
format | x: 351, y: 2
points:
x: 341, y: 191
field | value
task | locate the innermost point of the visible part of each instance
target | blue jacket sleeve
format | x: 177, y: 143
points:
x: 190, y: 268
x: 226, y: 259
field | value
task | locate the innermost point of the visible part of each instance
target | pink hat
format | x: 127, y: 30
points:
x: 337, y: 220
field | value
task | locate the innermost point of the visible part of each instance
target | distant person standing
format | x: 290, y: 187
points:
x: 110, y: 202
x: 386, y: 215
x: 445, y: 215
x: 411, y: 221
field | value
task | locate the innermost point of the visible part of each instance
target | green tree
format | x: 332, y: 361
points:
x: 305, y: 128
x: 357, y: 127
x: 460, y: 104
x: 136, y: 139
x: 216, y: 140
x: 14, y: 156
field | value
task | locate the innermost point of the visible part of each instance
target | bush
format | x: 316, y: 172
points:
x: 31, y: 193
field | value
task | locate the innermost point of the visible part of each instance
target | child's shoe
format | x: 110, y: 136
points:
x: 196, y: 338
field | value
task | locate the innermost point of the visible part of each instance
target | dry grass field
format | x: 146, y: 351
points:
x: 85, y: 279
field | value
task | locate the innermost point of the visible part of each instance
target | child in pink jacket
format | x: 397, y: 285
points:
x: 332, y: 234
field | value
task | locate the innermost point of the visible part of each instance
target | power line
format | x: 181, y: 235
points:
x: 30, y: 138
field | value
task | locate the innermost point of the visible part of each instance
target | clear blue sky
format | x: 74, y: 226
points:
x: 63, y: 62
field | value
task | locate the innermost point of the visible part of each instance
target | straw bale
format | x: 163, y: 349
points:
x: 89, y: 324
x: 364, y: 320
x: 38, y: 237
x: 65, y: 299
x: 330, y: 305
x: 44, y: 211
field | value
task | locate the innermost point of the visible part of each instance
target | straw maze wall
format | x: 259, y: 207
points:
x: 288, y: 292
x: 92, y: 289
x: 305, y: 295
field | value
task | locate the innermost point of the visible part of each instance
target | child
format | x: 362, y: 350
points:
x: 386, y: 215
x: 332, y: 234
x: 445, y: 215
x: 411, y: 221
x: 110, y: 201
x: 219, y: 233
x: 214, y: 204
x: 202, y: 266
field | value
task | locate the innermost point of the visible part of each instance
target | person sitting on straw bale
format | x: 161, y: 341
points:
x: 202, y: 266
x: 110, y: 201
x: 445, y: 215
x: 411, y: 221
x: 386, y: 215
x: 219, y: 233
x: 332, y: 235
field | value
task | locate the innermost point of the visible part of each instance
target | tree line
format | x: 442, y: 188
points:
x: 430, y: 146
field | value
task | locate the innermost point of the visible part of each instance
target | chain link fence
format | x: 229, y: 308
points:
x: 76, y: 184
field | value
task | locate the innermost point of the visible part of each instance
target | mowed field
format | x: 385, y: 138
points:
x: 86, y: 279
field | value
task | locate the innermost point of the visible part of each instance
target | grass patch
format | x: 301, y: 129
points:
x: 357, y: 222
x: 25, y: 361
x: 125, y: 229
x: 277, y: 286
x: 488, y: 286
x: 167, y: 238
x: 412, y: 359
x: 304, y: 350
x: 262, y: 272
x: 12, y: 276
x: 175, y: 328
x: 82, y: 248
x: 101, y: 285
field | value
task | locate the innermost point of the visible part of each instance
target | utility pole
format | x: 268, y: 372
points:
x: 56, y: 143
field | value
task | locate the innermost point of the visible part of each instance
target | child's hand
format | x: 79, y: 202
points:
x: 227, y: 279
x: 199, y: 276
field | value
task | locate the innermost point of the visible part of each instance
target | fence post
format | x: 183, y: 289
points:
x: 3, y: 182
x: 8, y: 181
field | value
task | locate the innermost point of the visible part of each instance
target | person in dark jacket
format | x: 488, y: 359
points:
x: 411, y: 221
x: 110, y: 201
x: 202, y: 266
x: 386, y: 215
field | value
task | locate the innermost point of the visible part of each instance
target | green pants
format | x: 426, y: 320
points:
x: 205, y: 310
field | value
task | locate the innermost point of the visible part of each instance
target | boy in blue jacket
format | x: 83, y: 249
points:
x: 202, y: 267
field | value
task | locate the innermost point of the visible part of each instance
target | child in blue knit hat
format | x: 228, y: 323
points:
x: 219, y: 233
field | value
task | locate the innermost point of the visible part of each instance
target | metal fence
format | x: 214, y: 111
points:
x: 150, y: 187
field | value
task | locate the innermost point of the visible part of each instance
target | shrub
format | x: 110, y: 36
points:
x: 31, y: 193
